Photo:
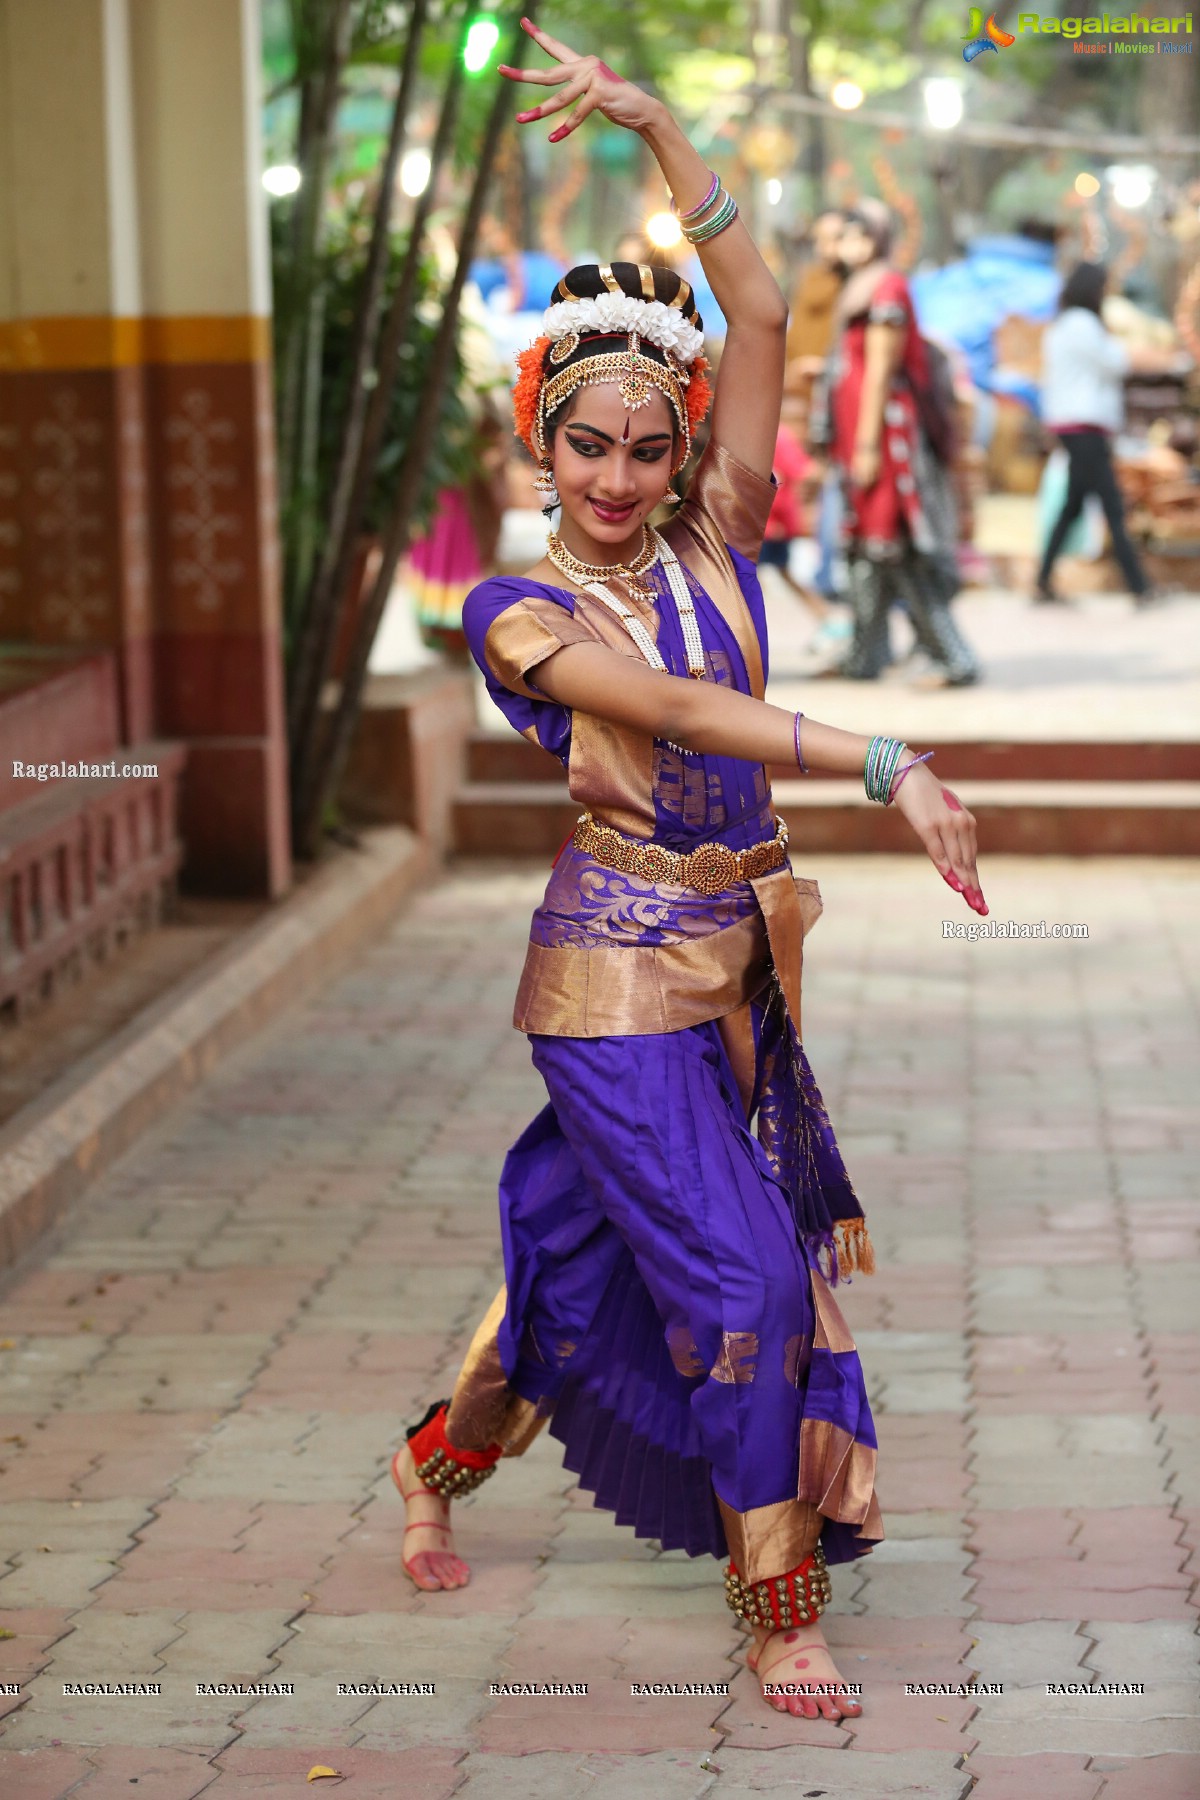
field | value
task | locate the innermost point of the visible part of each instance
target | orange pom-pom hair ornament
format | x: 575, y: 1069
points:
x: 628, y: 323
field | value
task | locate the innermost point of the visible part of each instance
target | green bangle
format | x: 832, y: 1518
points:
x: 883, y: 757
x: 725, y: 214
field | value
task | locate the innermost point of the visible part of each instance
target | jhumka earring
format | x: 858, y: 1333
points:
x: 543, y: 485
x: 671, y: 498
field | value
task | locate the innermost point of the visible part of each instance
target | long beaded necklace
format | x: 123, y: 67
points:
x: 655, y: 549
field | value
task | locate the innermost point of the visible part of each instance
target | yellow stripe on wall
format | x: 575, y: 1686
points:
x: 109, y: 343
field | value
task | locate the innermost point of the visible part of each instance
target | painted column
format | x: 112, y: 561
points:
x: 73, y: 525
x: 207, y: 302
x: 137, y: 502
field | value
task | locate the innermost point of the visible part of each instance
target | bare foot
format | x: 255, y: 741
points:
x: 432, y: 1563
x: 798, y: 1660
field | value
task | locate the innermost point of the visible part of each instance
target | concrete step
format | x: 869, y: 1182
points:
x: 492, y: 758
x: 1039, y: 818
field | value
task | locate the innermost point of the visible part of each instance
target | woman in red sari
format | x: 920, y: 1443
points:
x: 899, y: 523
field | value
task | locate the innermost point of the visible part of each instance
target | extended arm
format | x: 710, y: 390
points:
x: 701, y: 716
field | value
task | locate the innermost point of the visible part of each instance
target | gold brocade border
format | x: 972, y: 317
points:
x: 118, y: 343
x: 574, y: 991
x: 526, y: 633
x: 832, y: 1331
x: 837, y: 1473
x: 737, y: 1035
x: 769, y: 1540
x: 483, y: 1409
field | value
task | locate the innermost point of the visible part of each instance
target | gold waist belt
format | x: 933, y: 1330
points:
x: 709, y: 867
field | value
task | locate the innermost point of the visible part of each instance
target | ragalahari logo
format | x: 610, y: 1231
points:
x: 984, y: 37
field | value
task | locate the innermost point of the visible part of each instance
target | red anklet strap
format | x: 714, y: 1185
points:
x: 440, y: 1465
x: 797, y: 1598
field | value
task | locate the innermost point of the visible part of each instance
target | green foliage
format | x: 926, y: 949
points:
x: 341, y: 265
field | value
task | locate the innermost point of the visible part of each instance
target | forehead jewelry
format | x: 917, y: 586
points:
x: 633, y: 388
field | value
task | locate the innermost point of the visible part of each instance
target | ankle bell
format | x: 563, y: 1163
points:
x: 798, y: 1597
x: 440, y: 1465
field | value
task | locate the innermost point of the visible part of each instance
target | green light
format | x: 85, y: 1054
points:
x: 482, y: 37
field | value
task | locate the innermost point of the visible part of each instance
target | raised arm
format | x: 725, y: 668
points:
x: 702, y: 716
x: 749, y: 389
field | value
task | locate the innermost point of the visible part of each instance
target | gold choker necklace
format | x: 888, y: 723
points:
x: 583, y: 574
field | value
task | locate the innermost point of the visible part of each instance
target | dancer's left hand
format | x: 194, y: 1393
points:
x: 946, y: 829
x: 588, y: 85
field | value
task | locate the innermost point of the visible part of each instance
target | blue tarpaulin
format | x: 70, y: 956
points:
x: 965, y: 302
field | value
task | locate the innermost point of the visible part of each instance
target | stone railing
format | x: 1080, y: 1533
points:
x: 83, y: 863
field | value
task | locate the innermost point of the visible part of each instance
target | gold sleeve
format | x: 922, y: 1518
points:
x: 525, y: 634
x: 733, y: 497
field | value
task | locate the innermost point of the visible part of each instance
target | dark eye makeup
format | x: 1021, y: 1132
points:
x: 588, y: 446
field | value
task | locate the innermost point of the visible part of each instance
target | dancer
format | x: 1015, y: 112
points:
x: 900, y: 525
x: 667, y: 1308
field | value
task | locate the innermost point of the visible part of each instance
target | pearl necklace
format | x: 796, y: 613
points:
x: 655, y: 549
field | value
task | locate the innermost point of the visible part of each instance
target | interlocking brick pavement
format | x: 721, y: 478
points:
x: 209, y: 1364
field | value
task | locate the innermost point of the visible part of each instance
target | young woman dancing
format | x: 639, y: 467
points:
x: 667, y: 1307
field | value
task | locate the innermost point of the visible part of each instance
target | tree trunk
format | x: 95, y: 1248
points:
x: 318, y: 792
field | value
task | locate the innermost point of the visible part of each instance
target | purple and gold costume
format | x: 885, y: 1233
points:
x: 667, y: 1304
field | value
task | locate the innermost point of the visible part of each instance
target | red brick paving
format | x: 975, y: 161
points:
x: 324, y: 1209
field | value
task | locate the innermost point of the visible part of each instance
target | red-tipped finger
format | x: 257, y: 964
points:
x: 573, y: 120
x: 553, y: 45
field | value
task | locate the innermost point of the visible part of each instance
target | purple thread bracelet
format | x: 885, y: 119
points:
x: 796, y: 735
x: 898, y: 777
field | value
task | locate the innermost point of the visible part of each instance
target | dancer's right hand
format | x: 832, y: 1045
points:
x: 946, y: 829
x: 588, y: 81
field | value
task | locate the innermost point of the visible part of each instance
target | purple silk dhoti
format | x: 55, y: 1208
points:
x: 671, y: 1218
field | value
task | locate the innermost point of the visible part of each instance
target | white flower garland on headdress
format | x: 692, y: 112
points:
x: 651, y: 319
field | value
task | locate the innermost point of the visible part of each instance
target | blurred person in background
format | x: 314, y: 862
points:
x: 446, y: 560
x: 1083, y: 404
x: 811, y: 329
x: 890, y: 431
x: 799, y: 480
